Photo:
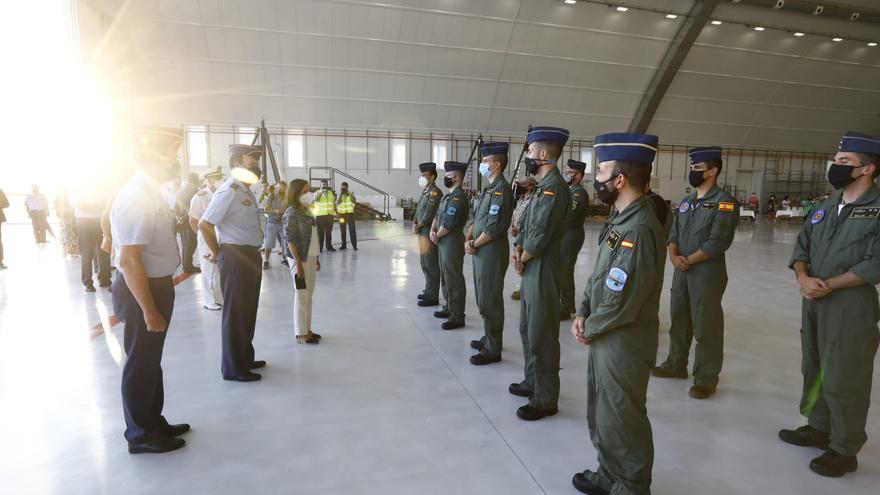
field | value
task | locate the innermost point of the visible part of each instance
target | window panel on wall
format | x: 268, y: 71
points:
x: 197, y: 146
x: 440, y: 152
x: 295, y: 151
x: 336, y: 152
x: 245, y: 135
x: 316, y: 155
x: 378, y: 151
x: 398, y: 154
x: 356, y: 153
x: 587, y: 157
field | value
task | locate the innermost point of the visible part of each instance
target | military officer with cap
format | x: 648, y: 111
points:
x: 210, y: 277
x: 143, y: 292
x: 537, y: 259
x: 486, y: 241
x: 447, y: 232
x: 837, y: 262
x: 424, y: 218
x: 703, y: 230
x: 232, y: 230
x: 618, y: 318
x: 573, y: 240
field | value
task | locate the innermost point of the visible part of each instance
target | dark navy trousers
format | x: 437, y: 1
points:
x: 143, y: 393
x: 241, y: 273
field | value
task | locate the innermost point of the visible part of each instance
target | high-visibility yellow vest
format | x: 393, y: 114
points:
x: 325, y: 204
x: 346, y: 205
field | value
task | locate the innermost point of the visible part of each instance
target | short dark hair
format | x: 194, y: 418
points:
x: 870, y: 159
x: 501, y: 157
x: 295, y: 192
x: 345, y: 184
x: 637, y: 173
x: 715, y: 164
x: 433, y: 173
x: 235, y: 159
x: 554, y: 148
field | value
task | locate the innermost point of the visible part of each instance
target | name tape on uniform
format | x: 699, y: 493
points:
x: 866, y: 212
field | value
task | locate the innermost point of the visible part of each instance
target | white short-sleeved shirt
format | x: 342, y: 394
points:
x: 233, y: 210
x: 36, y: 202
x: 140, y: 217
x: 199, y: 203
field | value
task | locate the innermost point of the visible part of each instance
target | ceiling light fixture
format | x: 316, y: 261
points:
x: 571, y: 2
x: 717, y: 23
x: 836, y: 39
x: 758, y: 28
x: 872, y: 44
x: 671, y: 16
x: 799, y: 34
x: 622, y: 9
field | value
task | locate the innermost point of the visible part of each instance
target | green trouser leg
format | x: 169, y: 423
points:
x: 540, y: 297
x: 528, y: 357
x: 490, y: 266
x: 572, y: 242
x: 697, y: 314
x: 430, y: 265
x: 618, y: 419
x: 452, y: 275
x: 839, y: 339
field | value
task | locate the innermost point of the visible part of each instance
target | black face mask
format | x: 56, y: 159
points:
x: 448, y: 182
x: 532, y: 165
x: 840, y: 176
x: 695, y: 178
x: 604, y: 193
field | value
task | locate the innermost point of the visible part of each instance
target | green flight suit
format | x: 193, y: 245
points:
x: 707, y: 224
x: 839, y: 334
x: 492, y: 216
x: 453, y: 215
x: 540, y: 235
x: 621, y: 304
x: 572, y: 242
x: 425, y: 212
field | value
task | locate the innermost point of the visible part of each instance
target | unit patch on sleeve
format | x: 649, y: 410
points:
x: 866, y: 212
x: 613, y: 239
x: 494, y: 209
x: 726, y: 206
x: 616, y: 279
x: 684, y: 206
x: 817, y: 217
x: 451, y: 210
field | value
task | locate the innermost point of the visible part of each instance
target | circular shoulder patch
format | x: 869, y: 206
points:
x: 494, y: 209
x: 817, y: 217
x: 684, y: 206
x: 616, y: 280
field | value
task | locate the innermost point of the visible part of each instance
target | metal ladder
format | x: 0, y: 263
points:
x: 318, y: 174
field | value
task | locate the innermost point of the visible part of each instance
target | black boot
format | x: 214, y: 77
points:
x: 482, y: 359
x: 584, y: 485
x: 805, y: 436
x: 519, y: 389
x: 834, y: 465
x: 529, y: 413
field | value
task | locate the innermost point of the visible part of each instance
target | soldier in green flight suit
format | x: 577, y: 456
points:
x: 447, y: 232
x: 486, y: 241
x: 536, y: 258
x: 837, y: 262
x: 702, y: 232
x: 424, y: 218
x: 573, y: 240
x: 618, y: 318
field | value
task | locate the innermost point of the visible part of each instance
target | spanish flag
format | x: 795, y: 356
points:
x: 725, y: 206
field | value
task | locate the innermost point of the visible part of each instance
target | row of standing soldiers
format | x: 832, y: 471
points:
x: 618, y: 312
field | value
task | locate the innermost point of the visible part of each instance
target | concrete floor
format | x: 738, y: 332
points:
x: 388, y: 402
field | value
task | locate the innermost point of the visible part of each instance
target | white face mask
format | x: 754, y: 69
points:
x: 307, y: 199
x: 423, y: 182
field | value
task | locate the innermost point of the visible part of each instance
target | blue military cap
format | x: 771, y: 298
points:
x: 245, y: 149
x: 859, y: 142
x: 556, y: 134
x: 454, y: 166
x: 576, y: 165
x: 158, y: 139
x: 494, y: 149
x: 428, y: 167
x: 626, y: 146
x: 700, y: 155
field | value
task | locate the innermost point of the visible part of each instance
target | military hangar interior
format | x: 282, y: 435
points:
x: 369, y: 93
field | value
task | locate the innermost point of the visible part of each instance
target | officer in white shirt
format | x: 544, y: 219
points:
x: 211, y: 293
x: 143, y: 291
x: 37, y: 207
x: 231, y: 228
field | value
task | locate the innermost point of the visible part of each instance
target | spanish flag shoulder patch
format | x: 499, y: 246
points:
x: 498, y: 193
x: 434, y: 193
x: 726, y: 206
x: 549, y: 193
x: 627, y: 244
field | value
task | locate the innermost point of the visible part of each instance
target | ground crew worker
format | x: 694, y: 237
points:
x: 422, y: 221
x: 537, y: 259
x: 210, y: 277
x: 573, y: 239
x: 486, y: 241
x: 837, y: 262
x: 703, y: 230
x: 235, y: 247
x: 618, y: 318
x: 447, y: 232
x: 324, y: 208
x: 143, y: 292
x: 345, y: 206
